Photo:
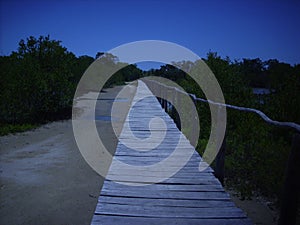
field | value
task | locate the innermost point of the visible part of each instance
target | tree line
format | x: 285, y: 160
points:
x: 39, y: 80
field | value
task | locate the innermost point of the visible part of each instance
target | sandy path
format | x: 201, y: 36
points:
x: 44, y: 179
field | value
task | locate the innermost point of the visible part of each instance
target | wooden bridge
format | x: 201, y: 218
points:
x: 139, y: 194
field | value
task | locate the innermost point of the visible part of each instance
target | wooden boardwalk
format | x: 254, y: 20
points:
x: 130, y: 194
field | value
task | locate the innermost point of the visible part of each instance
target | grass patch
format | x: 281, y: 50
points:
x: 6, y: 129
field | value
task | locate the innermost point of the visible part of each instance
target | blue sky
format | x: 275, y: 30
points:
x: 238, y: 29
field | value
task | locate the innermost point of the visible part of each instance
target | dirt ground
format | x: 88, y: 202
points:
x: 257, y: 209
x: 45, y: 180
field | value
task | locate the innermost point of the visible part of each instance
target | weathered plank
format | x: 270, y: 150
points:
x: 150, y: 180
x: 169, y: 194
x: 187, y: 197
x: 166, y: 202
x: 175, y: 212
x: 108, y: 220
x: 181, y: 173
x: 163, y: 187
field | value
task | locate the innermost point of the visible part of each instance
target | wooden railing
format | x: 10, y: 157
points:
x: 291, y: 187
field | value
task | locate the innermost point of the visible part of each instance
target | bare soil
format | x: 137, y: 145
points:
x: 43, y: 176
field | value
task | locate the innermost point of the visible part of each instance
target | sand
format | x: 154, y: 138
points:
x: 44, y: 178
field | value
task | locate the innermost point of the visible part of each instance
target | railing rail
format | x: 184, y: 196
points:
x: 245, y: 109
x: 291, y: 187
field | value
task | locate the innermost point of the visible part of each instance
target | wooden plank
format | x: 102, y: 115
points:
x: 171, y: 163
x: 150, y: 173
x: 172, y: 180
x: 173, y: 140
x: 164, y: 147
x: 167, y: 168
x: 187, y: 169
x: 175, y: 212
x: 109, y: 220
x: 162, y: 187
x: 153, y: 158
x: 168, y: 194
x: 154, y: 153
x: 138, y: 126
x: 165, y: 202
x: 180, y: 175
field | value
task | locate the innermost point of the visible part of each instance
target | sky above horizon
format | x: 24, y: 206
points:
x: 238, y: 29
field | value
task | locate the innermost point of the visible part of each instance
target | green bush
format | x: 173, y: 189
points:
x: 6, y: 129
x: 39, y: 80
x: 256, y: 152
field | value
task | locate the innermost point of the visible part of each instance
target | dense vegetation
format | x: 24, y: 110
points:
x: 256, y: 153
x: 38, y: 82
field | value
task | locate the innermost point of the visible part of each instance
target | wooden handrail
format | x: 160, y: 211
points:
x: 245, y: 109
x: 291, y: 186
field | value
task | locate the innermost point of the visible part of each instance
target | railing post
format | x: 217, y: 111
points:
x: 165, y: 99
x: 178, y: 98
x: 173, y: 93
x: 161, y: 97
x: 291, y: 188
x: 220, y: 163
x: 194, y: 125
x: 220, y: 158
